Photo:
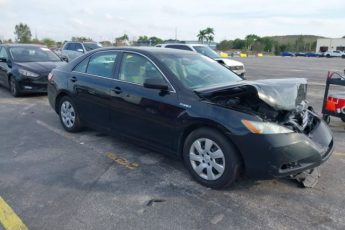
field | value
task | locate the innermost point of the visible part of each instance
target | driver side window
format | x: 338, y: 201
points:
x: 136, y: 68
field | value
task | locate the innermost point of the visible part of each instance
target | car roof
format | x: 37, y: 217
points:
x: 150, y: 50
x: 80, y: 42
x: 185, y: 44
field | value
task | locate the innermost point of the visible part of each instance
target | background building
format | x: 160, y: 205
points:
x: 330, y: 44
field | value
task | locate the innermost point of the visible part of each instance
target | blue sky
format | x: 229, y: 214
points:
x: 104, y: 20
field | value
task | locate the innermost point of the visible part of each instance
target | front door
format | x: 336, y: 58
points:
x: 147, y: 114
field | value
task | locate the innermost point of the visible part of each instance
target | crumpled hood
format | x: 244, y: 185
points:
x: 280, y: 94
x: 229, y: 62
x: 39, y: 67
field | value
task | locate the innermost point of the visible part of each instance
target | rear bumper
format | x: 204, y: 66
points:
x: 281, y: 155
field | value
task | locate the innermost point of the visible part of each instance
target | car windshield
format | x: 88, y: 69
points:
x: 207, y: 51
x: 92, y: 46
x: 196, y: 71
x: 33, y: 54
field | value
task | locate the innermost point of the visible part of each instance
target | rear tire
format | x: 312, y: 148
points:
x: 14, y: 88
x: 211, y: 159
x: 69, y: 115
x: 342, y: 119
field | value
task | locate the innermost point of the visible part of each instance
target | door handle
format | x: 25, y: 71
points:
x: 117, y: 90
x: 74, y: 79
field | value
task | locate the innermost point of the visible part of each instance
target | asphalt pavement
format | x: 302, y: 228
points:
x: 56, y: 180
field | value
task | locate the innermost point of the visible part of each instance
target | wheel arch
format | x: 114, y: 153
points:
x: 60, y: 95
x: 207, y: 124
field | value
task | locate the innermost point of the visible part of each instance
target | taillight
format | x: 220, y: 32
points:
x: 50, y: 77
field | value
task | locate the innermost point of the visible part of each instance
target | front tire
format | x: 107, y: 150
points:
x: 14, y: 88
x: 211, y: 159
x: 69, y: 115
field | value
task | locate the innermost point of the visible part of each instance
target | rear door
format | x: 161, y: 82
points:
x: 91, y: 82
x: 147, y: 114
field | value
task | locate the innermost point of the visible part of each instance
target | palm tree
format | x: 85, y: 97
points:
x: 202, y: 36
x: 209, y: 31
x: 206, y: 34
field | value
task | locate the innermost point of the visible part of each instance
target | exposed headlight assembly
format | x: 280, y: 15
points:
x: 259, y: 127
x: 27, y: 73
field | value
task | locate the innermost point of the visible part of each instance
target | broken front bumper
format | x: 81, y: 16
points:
x: 280, y: 155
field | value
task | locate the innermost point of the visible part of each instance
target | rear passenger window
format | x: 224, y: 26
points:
x: 81, y: 67
x: 101, y: 64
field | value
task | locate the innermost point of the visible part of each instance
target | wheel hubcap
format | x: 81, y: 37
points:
x: 207, y: 159
x: 67, y: 114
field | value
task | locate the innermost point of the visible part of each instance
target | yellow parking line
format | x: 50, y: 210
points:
x: 122, y: 161
x: 340, y: 154
x: 9, y: 219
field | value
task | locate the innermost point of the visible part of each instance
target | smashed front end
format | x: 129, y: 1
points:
x: 284, y: 136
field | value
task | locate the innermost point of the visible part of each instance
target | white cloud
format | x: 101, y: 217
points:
x: 230, y: 19
x: 108, y: 16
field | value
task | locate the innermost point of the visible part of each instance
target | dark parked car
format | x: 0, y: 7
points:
x: 25, y: 68
x: 187, y: 105
x: 300, y: 54
x: 311, y: 54
x: 287, y: 54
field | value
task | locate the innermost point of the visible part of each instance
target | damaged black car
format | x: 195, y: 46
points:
x: 187, y: 105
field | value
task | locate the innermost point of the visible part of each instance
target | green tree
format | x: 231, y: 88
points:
x: 155, y: 40
x: 202, y: 36
x: 225, y: 45
x: 49, y: 42
x: 209, y: 34
x: 23, y: 33
x: 250, y: 40
x: 239, y: 44
x: 81, y: 39
x: 299, y: 44
x: 267, y: 43
x: 150, y: 41
x: 206, y: 34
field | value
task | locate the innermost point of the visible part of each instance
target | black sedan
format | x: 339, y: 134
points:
x: 25, y: 67
x: 189, y: 106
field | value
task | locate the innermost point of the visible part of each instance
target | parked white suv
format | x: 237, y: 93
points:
x: 235, y: 66
x: 334, y: 53
x: 72, y: 50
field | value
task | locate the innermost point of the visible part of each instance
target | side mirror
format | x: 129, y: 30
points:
x: 154, y: 83
x: 3, y: 60
x: 80, y: 50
